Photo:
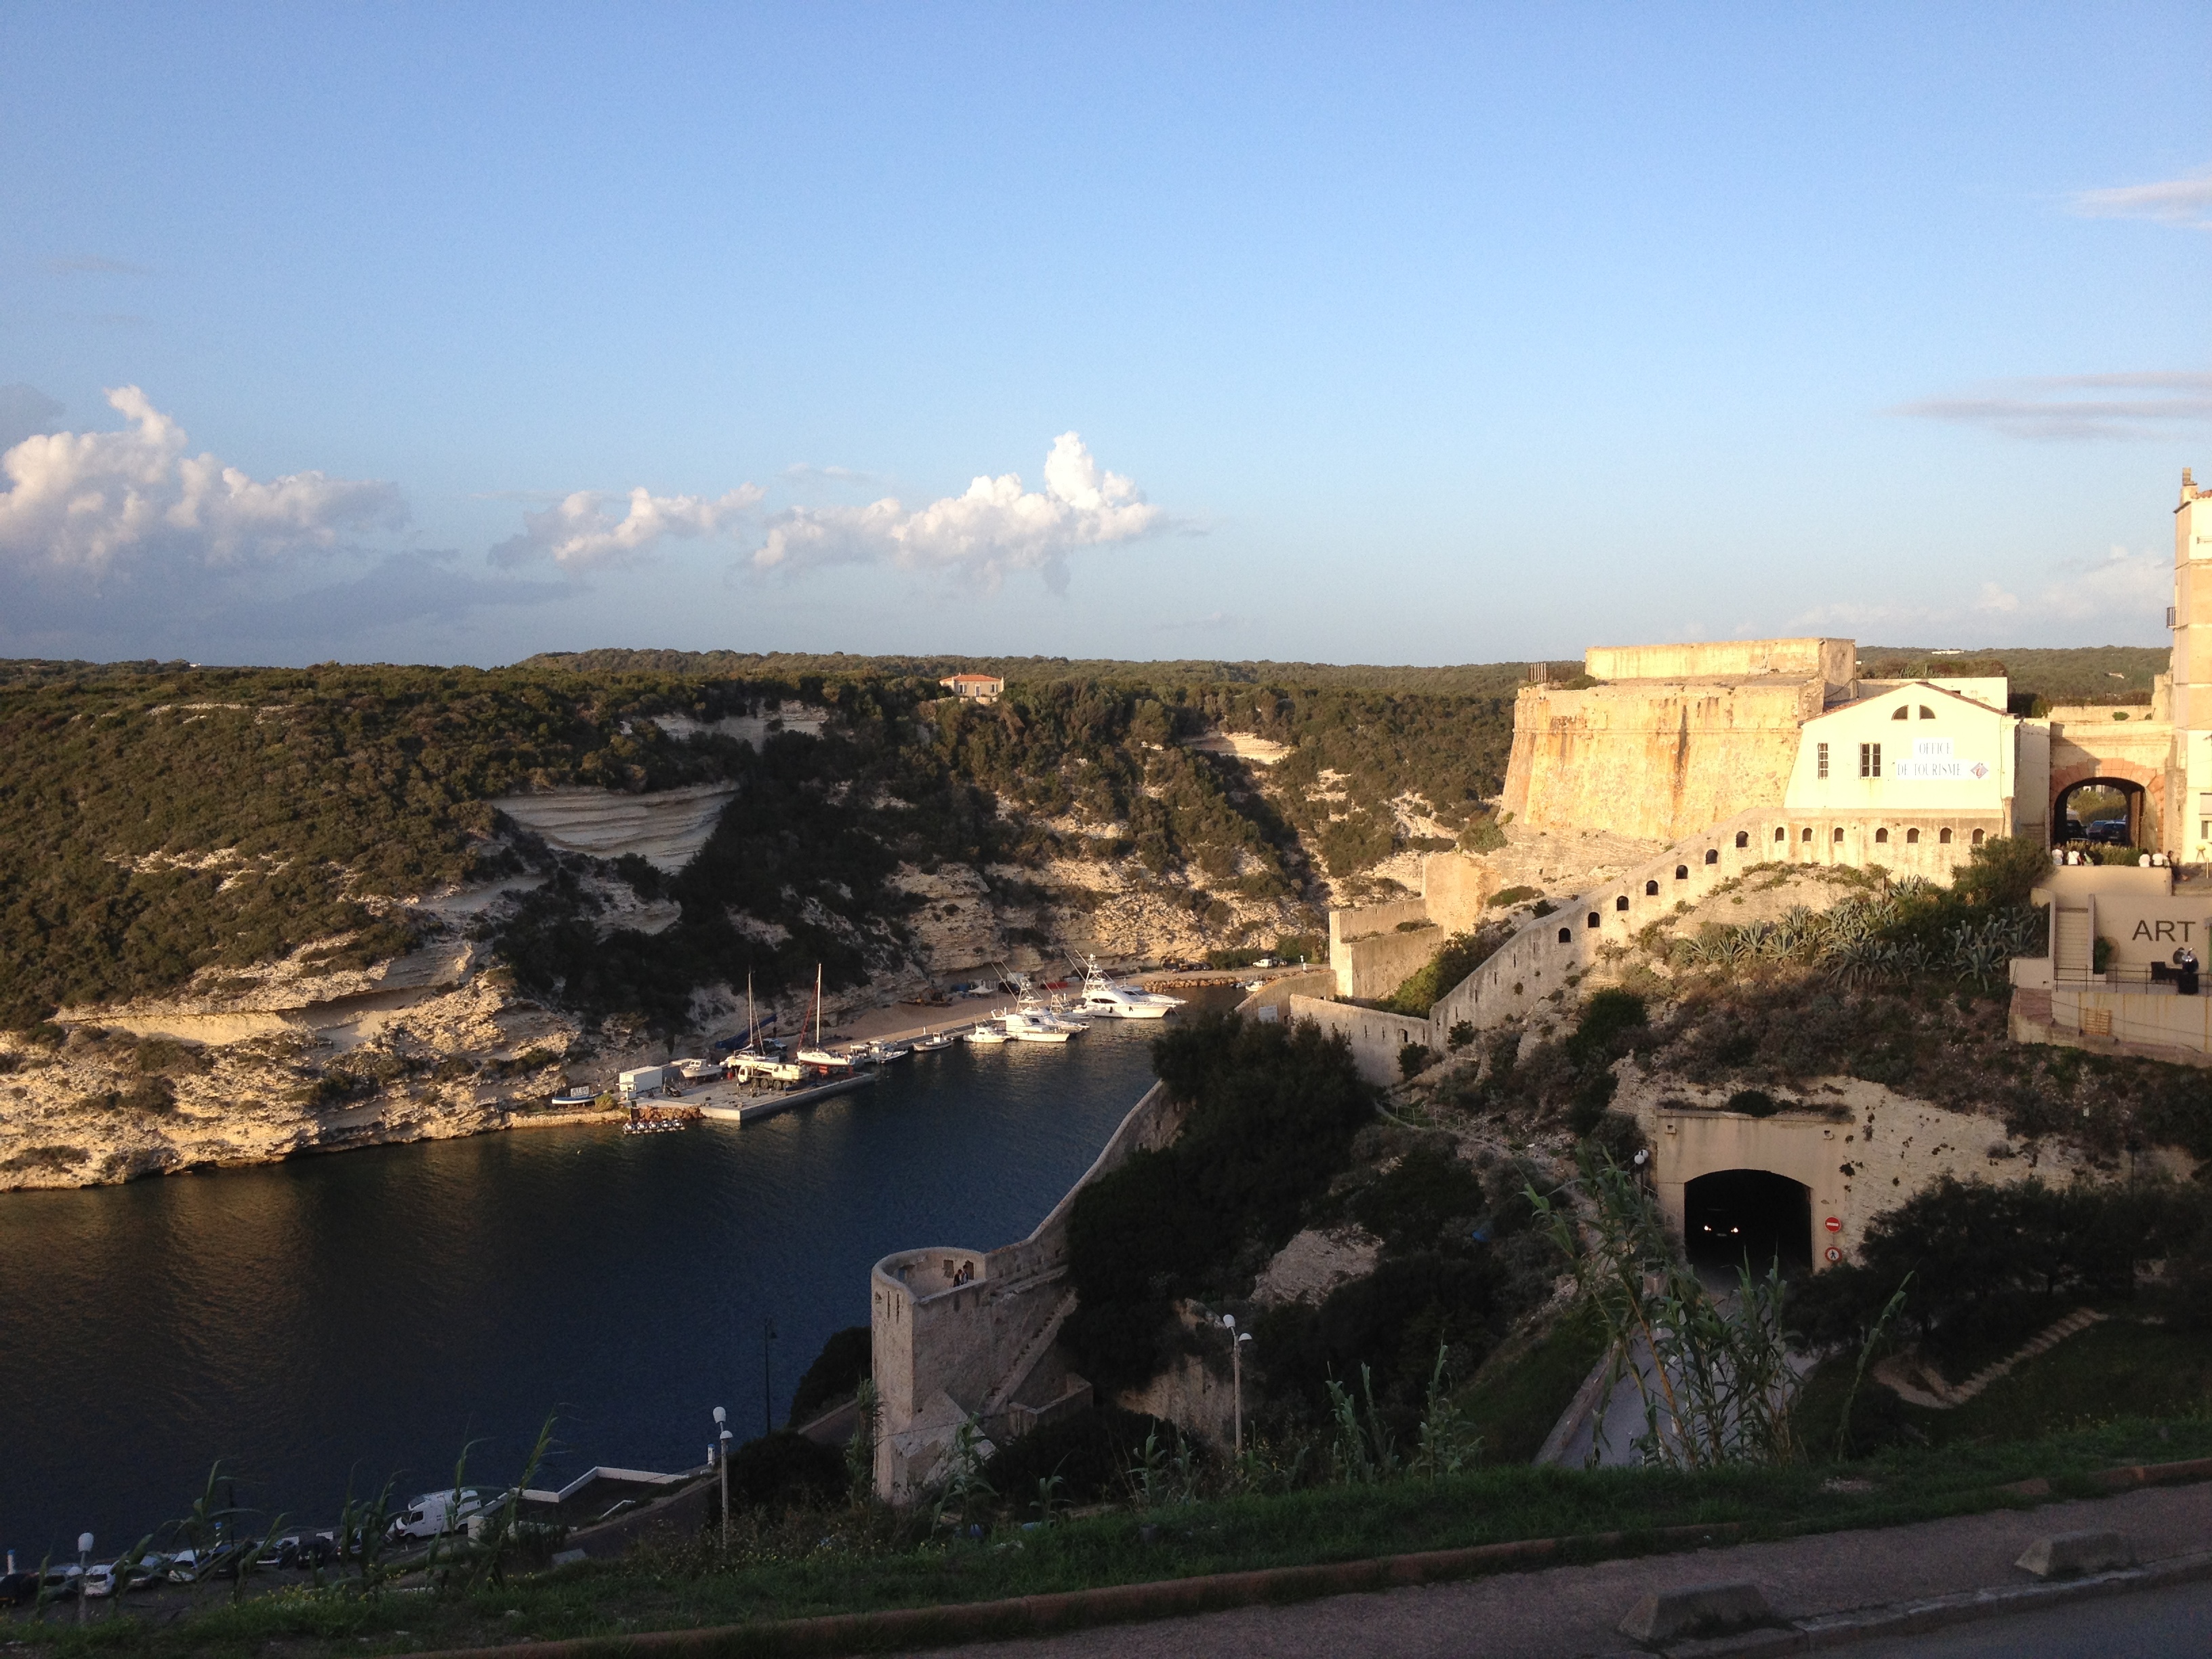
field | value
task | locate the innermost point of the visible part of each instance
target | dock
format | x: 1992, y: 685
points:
x: 729, y: 1106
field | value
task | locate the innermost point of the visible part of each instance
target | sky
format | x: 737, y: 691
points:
x: 1380, y: 333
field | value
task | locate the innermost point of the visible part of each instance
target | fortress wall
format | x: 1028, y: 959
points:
x: 1374, y: 1037
x: 1656, y: 759
x: 2139, y: 751
x: 1550, y: 952
x: 1458, y: 890
x: 1834, y: 662
x: 1378, y: 965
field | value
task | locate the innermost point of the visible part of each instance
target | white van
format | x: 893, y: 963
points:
x: 435, y: 1513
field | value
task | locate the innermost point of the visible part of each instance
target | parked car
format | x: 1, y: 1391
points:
x: 435, y: 1513
x: 17, y: 1588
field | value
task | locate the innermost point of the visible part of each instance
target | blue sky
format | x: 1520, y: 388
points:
x: 1390, y: 334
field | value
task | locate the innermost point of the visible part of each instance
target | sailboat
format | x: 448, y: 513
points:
x: 755, y: 1062
x: 818, y: 1055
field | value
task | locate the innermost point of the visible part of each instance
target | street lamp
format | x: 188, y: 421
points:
x: 1236, y: 1340
x: 83, y: 1567
x: 722, y: 1458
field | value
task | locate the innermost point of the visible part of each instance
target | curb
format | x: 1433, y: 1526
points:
x: 831, y: 1634
x: 1043, y: 1616
x: 1826, y: 1630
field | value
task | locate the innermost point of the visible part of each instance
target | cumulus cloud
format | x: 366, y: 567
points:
x: 579, y: 533
x: 2187, y: 202
x: 92, y: 503
x: 2074, y: 407
x: 995, y: 527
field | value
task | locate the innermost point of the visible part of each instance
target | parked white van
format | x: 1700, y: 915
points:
x: 435, y: 1513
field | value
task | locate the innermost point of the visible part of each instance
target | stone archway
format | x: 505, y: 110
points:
x: 2142, y: 830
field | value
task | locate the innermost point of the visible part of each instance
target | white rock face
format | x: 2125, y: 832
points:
x: 666, y: 829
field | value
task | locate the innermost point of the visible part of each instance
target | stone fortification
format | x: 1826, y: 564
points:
x: 967, y: 1336
x: 1654, y: 759
x: 1834, y: 662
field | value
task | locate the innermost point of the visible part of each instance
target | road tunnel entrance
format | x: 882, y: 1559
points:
x: 2109, y: 812
x: 1734, y: 1215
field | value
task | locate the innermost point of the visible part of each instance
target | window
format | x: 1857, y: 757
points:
x: 1743, y: 837
x: 1926, y: 713
x: 1944, y: 837
x: 1681, y: 872
x: 1566, y: 936
x: 1977, y: 838
x: 1869, y: 760
x: 1780, y: 834
x: 1821, y: 759
x: 1901, y: 713
x: 1809, y: 833
x: 1839, y: 835
x: 1912, y: 838
x: 1712, y: 855
x: 1881, y: 837
x: 1651, y: 890
x: 1621, y: 903
x: 1592, y: 922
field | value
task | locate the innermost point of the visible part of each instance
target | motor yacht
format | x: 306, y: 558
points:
x: 1034, y: 1025
x: 986, y: 1034
x: 1102, y: 998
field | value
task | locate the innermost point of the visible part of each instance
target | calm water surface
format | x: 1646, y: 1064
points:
x: 366, y: 1314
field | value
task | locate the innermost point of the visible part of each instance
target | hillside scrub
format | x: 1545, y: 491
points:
x: 1272, y: 1111
x: 1458, y: 956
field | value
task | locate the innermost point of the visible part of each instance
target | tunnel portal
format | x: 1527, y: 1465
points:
x: 1734, y: 1215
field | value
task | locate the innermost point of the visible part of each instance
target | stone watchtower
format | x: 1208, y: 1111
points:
x: 2188, y: 787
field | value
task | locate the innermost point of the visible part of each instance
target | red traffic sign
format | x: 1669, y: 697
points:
x: 1833, y: 1223
x: 1834, y: 1254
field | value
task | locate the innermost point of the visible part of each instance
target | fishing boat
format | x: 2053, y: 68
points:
x: 986, y: 1034
x: 930, y: 1041
x: 1028, y: 1025
x: 1102, y: 998
x: 886, y: 1054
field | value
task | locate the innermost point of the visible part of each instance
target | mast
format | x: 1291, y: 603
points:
x: 818, y: 1004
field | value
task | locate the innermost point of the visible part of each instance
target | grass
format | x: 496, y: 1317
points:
x: 856, y: 1562
x: 1516, y: 1397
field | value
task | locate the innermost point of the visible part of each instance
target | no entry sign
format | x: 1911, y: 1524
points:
x: 1833, y: 1223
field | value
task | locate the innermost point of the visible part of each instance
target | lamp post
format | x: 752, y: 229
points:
x: 83, y: 1567
x: 722, y: 1458
x: 1236, y: 1340
x: 767, y: 1394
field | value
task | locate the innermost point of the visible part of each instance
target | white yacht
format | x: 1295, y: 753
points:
x: 1103, y: 998
x: 987, y: 1033
x: 1034, y: 1025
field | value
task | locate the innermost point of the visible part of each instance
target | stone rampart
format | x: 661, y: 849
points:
x: 1833, y: 662
x: 1654, y: 759
x: 954, y: 1333
x: 1375, y: 1037
x: 1549, y: 952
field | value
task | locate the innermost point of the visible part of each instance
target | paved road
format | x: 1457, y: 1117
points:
x: 2148, y: 1626
x: 1566, y: 1611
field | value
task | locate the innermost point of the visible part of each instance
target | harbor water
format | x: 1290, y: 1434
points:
x: 366, y: 1315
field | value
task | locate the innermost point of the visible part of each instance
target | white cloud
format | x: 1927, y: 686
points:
x: 2074, y: 407
x: 90, y: 504
x: 25, y: 411
x: 996, y: 526
x: 2122, y: 593
x: 2120, y: 587
x: 578, y: 534
x: 2187, y: 202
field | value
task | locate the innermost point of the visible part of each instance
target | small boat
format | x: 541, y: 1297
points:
x: 988, y: 1034
x: 930, y: 1041
x: 575, y: 1099
x: 885, y: 1054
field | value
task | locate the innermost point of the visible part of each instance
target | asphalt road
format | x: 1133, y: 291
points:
x: 2150, y: 1625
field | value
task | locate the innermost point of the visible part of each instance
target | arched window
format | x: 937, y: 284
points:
x: 1901, y: 713
x: 1592, y: 922
x: 1780, y: 834
x: 1839, y: 835
x: 1651, y: 890
x: 1926, y: 713
x: 1566, y: 936
x: 1712, y: 855
x: 1807, y: 835
x: 1681, y: 872
x: 1881, y: 837
x: 1944, y: 837
x: 1621, y: 903
x: 1912, y: 838
x: 1743, y: 837
x: 1977, y: 838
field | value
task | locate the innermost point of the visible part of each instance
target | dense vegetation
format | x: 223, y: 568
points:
x: 1273, y: 1111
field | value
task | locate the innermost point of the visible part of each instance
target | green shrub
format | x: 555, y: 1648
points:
x: 785, y: 1470
x: 837, y: 1371
x: 1754, y: 1102
x: 1505, y: 896
x: 1091, y: 1450
x: 1414, y: 1059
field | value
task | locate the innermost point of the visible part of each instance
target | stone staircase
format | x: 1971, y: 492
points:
x: 1917, y: 1383
x: 1025, y: 1362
